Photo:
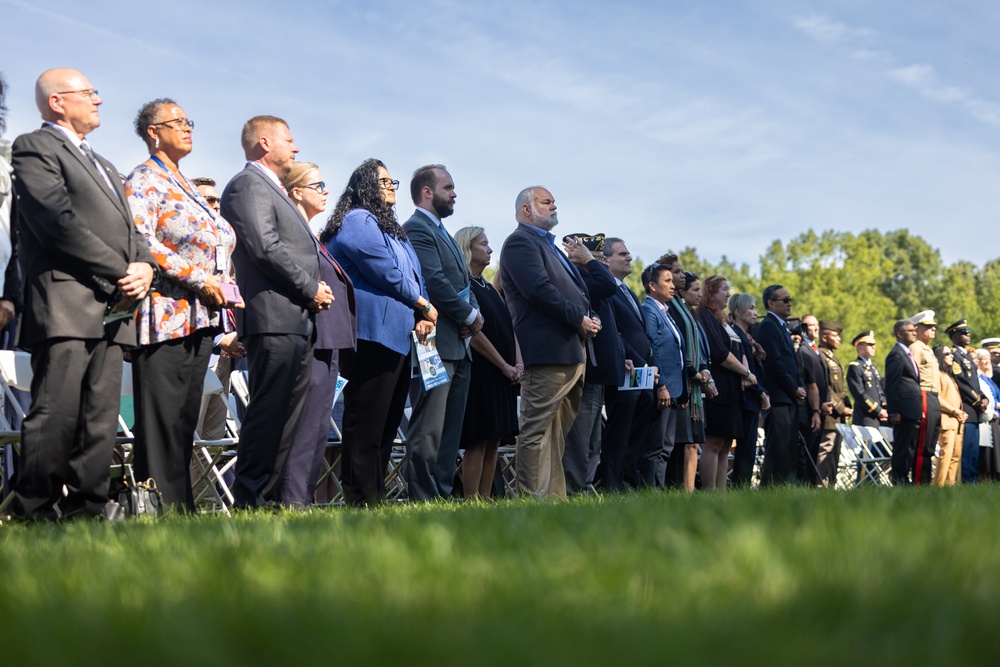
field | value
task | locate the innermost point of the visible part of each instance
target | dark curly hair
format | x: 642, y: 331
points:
x: 363, y: 191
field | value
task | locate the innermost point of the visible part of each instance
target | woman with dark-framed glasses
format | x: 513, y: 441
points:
x: 364, y: 236
x: 183, y: 312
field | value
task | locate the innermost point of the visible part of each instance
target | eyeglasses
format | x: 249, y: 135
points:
x: 388, y: 184
x: 213, y: 200
x: 182, y: 124
x: 318, y: 186
x: 86, y: 92
x: 787, y: 299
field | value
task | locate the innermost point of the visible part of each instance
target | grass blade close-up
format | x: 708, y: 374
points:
x: 790, y: 576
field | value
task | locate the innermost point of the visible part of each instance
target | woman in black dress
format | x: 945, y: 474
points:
x: 491, y: 408
x: 723, y: 412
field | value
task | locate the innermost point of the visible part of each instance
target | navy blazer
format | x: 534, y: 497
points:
x: 781, y: 370
x: 608, y: 363
x: 547, y: 299
x: 902, y: 385
x: 276, y: 258
x: 386, y: 277
x: 443, y: 269
x: 336, y: 327
x: 631, y: 327
x: 668, y: 350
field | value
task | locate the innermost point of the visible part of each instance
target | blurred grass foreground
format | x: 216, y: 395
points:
x: 788, y: 576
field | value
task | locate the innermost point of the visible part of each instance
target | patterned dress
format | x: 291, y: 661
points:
x: 184, y: 237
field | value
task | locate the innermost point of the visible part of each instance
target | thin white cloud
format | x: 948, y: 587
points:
x: 831, y: 32
x: 921, y: 78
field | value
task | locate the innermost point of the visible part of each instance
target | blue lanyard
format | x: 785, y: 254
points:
x: 211, y: 213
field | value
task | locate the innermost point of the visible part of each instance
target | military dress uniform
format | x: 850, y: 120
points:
x: 930, y: 425
x: 830, y: 439
x: 967, y: 377
x: 865, y: 385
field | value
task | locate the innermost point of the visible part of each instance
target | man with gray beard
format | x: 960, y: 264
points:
x: 550, y: 307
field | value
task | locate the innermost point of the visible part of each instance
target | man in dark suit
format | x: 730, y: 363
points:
x: 783, y: 383
x: 905, y: 405
x: 550, y: 308
x: 605, y: 363
x: 434, y: 432
x: 630, y: 413
x: 865, y: 385
x: 84, y: 264
x: 277, y: 269
x: 812, y: 409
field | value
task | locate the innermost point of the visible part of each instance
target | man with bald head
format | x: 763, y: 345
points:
x: 85, y: 267
x: 550, y: 306
x: 277, y: 270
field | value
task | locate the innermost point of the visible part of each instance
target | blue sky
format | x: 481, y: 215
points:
x: 722, y: 125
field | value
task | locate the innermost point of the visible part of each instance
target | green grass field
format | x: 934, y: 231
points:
x: 794, y: 576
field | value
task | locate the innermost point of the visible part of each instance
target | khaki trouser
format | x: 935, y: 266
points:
x: 550, y: 401
x: 950, y: 460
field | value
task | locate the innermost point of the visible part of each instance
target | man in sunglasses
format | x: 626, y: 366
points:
x: 206, y: 186
x: 783, y: 381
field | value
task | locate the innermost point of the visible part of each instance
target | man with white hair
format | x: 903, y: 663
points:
x: 550, y: 307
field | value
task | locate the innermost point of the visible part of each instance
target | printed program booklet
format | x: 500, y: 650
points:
x: 428, y: 362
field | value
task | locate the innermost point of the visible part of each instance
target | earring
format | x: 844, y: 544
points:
x: 157, y: 144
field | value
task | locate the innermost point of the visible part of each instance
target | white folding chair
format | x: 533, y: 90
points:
x: 15, y: 373
x: 213, y: 458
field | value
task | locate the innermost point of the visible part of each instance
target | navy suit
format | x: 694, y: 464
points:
x: 605, y: 366
x: 903, y: 397
x: 630, y: 413
x: 781, y: 381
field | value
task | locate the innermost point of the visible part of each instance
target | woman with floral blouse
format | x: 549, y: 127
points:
x: 185, y: 309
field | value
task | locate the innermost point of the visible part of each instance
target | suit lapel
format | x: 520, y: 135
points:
x: 91, y: 170
x: 282, y: 196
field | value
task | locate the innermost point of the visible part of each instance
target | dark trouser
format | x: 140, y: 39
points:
x: 168, y: 379
x: 625, y: 436
x: 970, y: 454
x: 374, y: 399
x: 434, y: 432
x: 279, y: 368
x: 807, y: 451
x: 780, y: 445
x: 905, y: 436
x: 661, y: 446
x: 305, y: 460
x: 69, y: 432
x: 746, y: 450
x: 583, y: 443
x: 932, y: 432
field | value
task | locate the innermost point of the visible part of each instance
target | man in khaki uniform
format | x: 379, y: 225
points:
x: 829, y: 439
x: 930, y: 425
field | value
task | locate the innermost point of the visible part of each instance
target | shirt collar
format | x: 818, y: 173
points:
x: 437, y: 220
x: 772, y: 313
x: 267, y: 172
x: 70, y: 134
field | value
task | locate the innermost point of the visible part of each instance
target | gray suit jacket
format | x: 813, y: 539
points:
x: 276, y: 258
x: 445, y: 275
x: 75, y: 239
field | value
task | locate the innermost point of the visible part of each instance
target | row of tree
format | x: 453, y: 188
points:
x: 864, y: 281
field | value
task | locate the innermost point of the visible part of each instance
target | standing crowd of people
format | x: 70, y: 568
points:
x: 616, y: 392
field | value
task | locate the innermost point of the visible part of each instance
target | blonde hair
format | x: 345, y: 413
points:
x: 296, y: 176
x: 464, y: 238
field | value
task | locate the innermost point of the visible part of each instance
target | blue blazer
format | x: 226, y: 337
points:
x: 386, y: 277
x: 668, y: 351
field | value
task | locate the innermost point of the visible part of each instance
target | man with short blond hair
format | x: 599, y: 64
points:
x: 277, y: 270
